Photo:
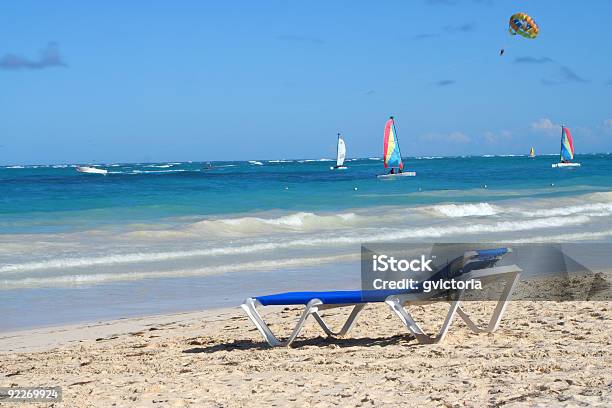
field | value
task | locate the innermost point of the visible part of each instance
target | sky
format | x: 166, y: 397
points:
x: 84, y: 82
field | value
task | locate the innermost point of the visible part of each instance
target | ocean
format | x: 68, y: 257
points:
x: 165, y: 237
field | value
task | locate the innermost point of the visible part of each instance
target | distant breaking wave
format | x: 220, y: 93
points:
x: 465, y: 210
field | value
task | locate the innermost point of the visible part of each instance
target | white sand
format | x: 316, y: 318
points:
x: 545, y: 353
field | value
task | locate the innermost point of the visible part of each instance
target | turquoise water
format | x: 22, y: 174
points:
x: 147, y: 238
x: 55, y: 198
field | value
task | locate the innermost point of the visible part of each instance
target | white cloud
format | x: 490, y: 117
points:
x: 458, y: 137
x: 453, y: 137
x: 495, y: 137
x: 545, y: 125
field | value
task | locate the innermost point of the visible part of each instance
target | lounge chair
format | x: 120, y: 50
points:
x: 462, y: 268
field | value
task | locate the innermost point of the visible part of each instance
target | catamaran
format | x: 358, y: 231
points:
x: 567, y: 150
x: 91, y: 170
x: 340, y: 155
x: 391, y: 153
x: 532, y: 152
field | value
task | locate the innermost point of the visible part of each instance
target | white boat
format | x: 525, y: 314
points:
x: 566, y: 155
x: 340, y: 155
x: 402, y: 174
x: 91, y: 170
x: 392, y: 154
x: 556, y: 165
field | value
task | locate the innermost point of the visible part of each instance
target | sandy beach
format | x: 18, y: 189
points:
x: 545, y: 353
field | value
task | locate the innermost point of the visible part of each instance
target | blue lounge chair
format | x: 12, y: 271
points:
x: 478, y: 265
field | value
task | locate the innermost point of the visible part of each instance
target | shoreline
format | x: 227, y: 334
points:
x: 37, y: 339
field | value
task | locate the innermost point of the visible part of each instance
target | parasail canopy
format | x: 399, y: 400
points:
x: 523, y: 25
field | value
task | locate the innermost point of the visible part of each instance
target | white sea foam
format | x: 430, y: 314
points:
x: 465, y: 210
x: 255, y: 162
x: 594, y: 209
x: 578, y: 236
x: 14, y: 167
x: 348, y: 238
x: 315, y: 160
x: 301, y: 221
x: 157, y: 171
x: 97, y: 278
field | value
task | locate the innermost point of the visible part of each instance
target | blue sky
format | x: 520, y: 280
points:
x: 191, y: 80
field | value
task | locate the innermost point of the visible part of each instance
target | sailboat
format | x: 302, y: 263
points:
x: 391, y: 153
x: 532, y: 152
x: 567, y: 150
x: 340, y: 155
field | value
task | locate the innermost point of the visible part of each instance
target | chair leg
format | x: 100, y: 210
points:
x: 347, y: 325
x: 415, y: 329
x: 408, y: 321
x: 500, y: 308
x: 250, y: 307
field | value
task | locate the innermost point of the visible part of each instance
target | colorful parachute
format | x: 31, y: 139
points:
x: 522, y: 24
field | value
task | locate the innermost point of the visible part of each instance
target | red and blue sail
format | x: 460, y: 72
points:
x: 567, y: 145
x: 391, y: 153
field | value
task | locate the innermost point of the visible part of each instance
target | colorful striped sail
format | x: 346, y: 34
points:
x: 567, y: 145
x: 391, y: 153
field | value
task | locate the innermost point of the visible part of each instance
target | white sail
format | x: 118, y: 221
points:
x: 341, y: 152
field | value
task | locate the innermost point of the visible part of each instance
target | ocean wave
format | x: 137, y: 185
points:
x: 97, y: 278
x: 153, y: 171
x: 572, y: 237
x: 594, y: 209
x: 314, y: 160
x: 347, y: 237
x: 255, y: 162
x: 464, y: 210
x: 139, y: 257
x: 300, y: 221
x: 446, y: 231
x: 14, y: 167
x: 160, y: 166
x: 279, y: 161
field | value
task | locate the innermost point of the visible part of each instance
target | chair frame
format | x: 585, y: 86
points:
x: 398, y: 303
